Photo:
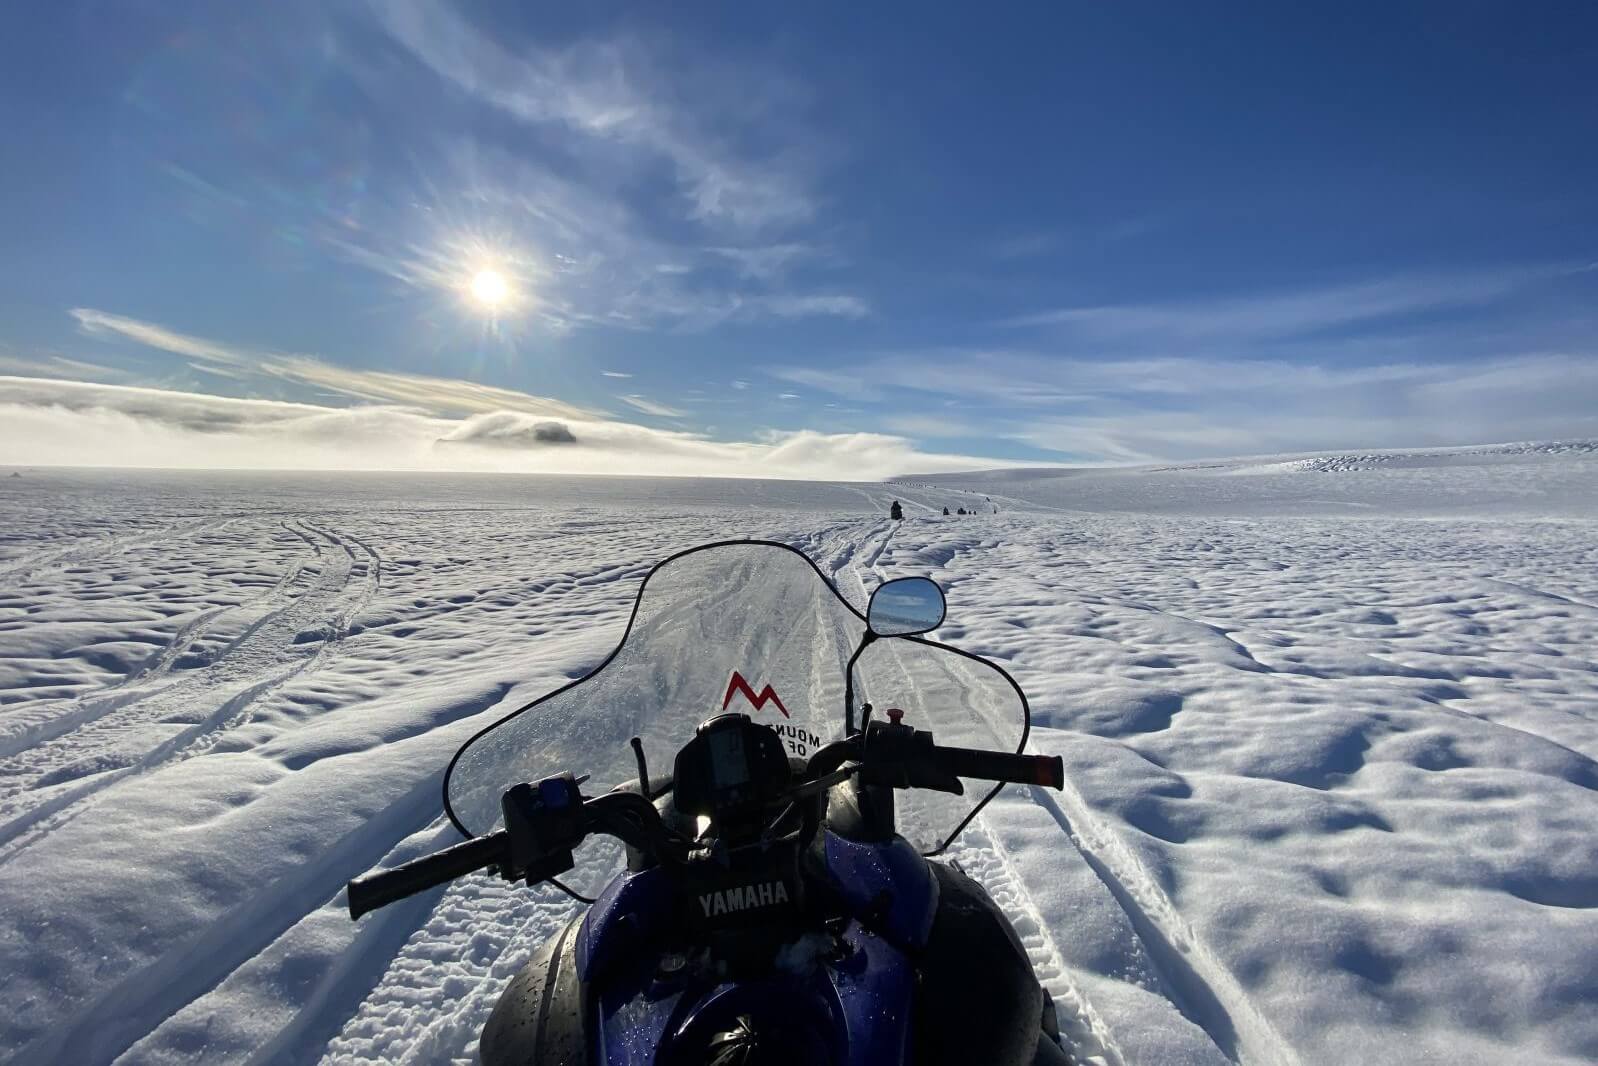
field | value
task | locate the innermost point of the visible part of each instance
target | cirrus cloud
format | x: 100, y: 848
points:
x: 442, y: 395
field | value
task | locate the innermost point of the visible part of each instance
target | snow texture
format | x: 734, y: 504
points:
x: 1330, y: 726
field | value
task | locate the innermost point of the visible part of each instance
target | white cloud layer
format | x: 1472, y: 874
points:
x: 49, y: 422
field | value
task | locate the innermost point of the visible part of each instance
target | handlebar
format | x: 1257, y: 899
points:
x: 1046, y: 770
x: 547, y: 821
x: 377, y: 890
x: 903, y: 757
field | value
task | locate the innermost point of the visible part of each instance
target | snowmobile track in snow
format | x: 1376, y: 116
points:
x: 1200, y: 986
x: 75, y: 756
x: 139, y: 684
x: 984, y: 858
x: 1203, y: 988
x: 85, y: 550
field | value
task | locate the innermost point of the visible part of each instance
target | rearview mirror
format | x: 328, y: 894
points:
x: 905, y: 606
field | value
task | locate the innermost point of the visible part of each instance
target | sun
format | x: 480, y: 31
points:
x: 490, y: 290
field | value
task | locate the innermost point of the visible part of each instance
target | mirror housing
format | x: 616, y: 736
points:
x: 905, y: 606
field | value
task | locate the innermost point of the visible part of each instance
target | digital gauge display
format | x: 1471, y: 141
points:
x: 730, y: 769
x: 729, y: 762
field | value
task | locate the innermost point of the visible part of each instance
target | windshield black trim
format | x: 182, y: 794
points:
x: 1026, y: 709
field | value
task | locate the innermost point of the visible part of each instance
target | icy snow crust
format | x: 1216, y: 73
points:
x: 1330, y: 733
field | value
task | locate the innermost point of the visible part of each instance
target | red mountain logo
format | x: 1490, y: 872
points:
x: 767, y: 695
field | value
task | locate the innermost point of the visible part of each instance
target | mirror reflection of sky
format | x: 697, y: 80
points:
x: 907, y: 606
x: 589, y: 238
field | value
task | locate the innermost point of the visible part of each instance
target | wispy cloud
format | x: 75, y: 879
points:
x: 1144, y: 409
x: 650, y: 407
x: 576, y: 216
x: 617, y: 92
x: 615, y: 374
x: 838, y: 304
x: 767, y: 260
x: 1258, y: 374
x: 1523, y: 397
x: 1145, y: 436
x: 1283, y: 314
x: 582, y: 253
x: 935, y: 426
x: 434, y: 395
x: 57, y: 366
x: 994, y: 375
x: 103, y: 323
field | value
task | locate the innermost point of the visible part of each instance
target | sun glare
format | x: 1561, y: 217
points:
x: 490, y: 289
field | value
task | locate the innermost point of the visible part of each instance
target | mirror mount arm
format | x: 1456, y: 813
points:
x: 643, y: 767
x: 866, y: 640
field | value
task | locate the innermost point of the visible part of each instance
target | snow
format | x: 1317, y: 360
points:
x: 1330, y: 726
x: 1522, y: 480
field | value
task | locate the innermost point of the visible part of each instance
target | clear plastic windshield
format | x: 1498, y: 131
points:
x: 749, y: 627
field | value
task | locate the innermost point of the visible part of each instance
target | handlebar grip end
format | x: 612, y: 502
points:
x: 371, y: 891
x: 1051, y: 772
x: 360, y: 897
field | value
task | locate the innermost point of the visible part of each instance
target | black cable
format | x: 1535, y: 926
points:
x: 578, y: 896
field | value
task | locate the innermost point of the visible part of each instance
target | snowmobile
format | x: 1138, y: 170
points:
x: 779, y: 900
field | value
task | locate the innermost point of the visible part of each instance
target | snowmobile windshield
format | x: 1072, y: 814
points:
x: 751, y: 627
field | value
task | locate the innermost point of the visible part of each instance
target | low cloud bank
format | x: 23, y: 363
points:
x: 505, y: 429
x: 45, y: 422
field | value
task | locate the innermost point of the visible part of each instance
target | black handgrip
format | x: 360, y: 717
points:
x: 1048, y: 770
x: 377, y: 890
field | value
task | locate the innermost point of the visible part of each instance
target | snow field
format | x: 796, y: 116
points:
x: 1331, y: 781
x: 1356, y: 759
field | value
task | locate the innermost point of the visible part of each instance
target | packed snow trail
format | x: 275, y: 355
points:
x: 1152, y: 951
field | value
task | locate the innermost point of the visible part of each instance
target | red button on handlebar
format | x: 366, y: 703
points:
x: 895, y: 715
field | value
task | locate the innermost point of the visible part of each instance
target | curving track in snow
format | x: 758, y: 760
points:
x: 62, y: 760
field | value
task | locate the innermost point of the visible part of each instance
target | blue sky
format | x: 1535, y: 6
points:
x: 839, y: 240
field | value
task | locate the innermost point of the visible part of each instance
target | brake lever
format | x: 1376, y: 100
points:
x: 822, y: 783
